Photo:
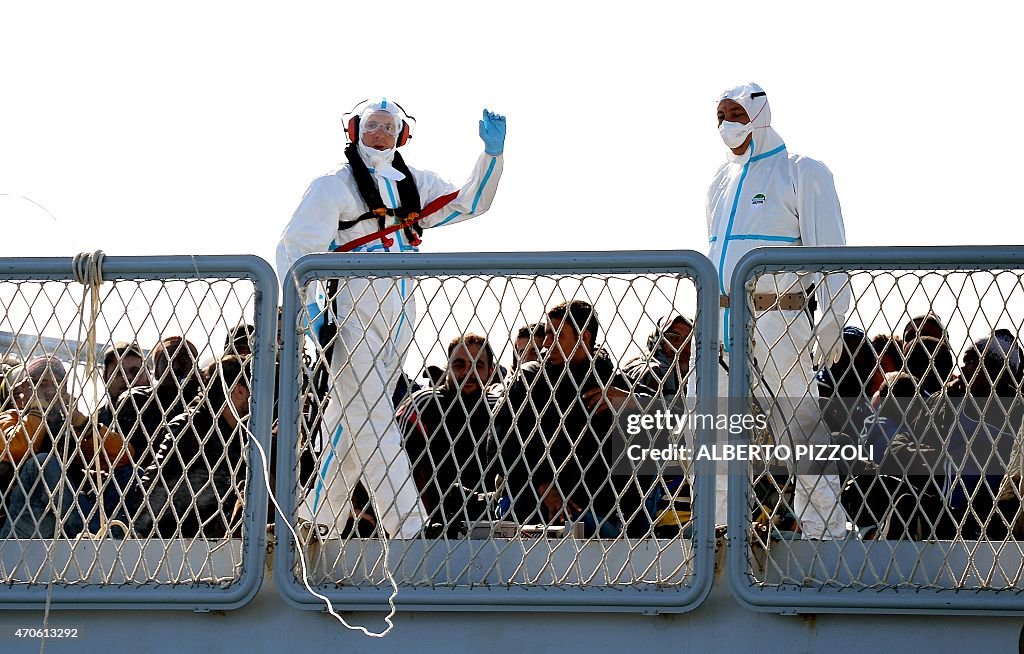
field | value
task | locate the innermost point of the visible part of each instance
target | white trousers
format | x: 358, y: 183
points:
x: 783, y: 383
x: 363, y: 440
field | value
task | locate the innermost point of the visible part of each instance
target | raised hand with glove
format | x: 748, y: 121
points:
x: 357, y: 208
x: 492, y: 132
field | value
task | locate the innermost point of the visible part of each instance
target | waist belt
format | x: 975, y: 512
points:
x: 772, y: 302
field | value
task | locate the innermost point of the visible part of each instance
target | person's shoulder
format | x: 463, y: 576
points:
x: 340, y: 174
x: 530, y: 369
x: 719, y: 179
x: 639, y: 368
x: 424, y: 176
x: 524, y: 375
x: 196, y: 417
x: 721, y: 172
x: 332, y: 178
x: 638, y: 362
x: 133, y: 401
x: 423, y: 396
x: 808, y: 166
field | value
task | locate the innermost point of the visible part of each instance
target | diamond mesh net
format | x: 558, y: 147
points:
x: 135, y: 474
x: 423, y: 422
x: 925, y: 399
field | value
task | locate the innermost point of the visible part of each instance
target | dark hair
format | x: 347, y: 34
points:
x: 239, y: 336
x: 118, y: 351
x: 899, y: 384
x: 889, y: 345
x: 222, y: 375
x: 582, y: 318
x: 179, y: 352
x: 854, y: 372
x: 472, y: 339
x: 928, y: 322
x: 908, y: 396
x: 930, y: 361
x: 533, y: 330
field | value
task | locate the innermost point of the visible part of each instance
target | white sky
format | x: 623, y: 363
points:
x: 194, y: 127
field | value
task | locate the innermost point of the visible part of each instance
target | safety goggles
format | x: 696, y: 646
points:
x: 389, y: 126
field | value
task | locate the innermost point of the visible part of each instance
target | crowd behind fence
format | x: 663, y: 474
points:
x: 928, y: 390
x: 470, y: 412
x: 127, y: 429
x: 503, y: 475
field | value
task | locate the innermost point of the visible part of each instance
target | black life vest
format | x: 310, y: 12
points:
x: 408, y: 196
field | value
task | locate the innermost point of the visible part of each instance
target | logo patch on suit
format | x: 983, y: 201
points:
x: 758, y: 199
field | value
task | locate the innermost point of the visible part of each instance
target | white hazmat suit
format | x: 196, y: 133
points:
x: 376, y: 321
x: 768, y: 196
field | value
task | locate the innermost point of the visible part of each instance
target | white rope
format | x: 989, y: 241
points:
x: 88, y: 271
x: 299, y: 549
x: 85, y: 270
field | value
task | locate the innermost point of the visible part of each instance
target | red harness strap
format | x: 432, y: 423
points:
x: 382, y: 234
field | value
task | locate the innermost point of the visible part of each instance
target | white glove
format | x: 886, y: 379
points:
x: 829, y: 336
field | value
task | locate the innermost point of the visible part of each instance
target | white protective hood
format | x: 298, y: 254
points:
x: 380, y: 160
x: 754, y: 101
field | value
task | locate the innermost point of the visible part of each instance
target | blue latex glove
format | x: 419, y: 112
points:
x: 492, y: 131
x: 319, y: 316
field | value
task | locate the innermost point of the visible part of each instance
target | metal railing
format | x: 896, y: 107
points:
x: 500, y: 507
x: 91, y: 448
x: 928, y: 492
x: 930, y: 519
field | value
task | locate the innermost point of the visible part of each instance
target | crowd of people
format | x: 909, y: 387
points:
x: 165, y: 452
x: 944, y: 438
x: 162, y: 456
x: 535, y: 445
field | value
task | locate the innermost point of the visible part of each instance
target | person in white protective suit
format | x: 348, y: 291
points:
x: 764, y: 195
x: 351, y: 209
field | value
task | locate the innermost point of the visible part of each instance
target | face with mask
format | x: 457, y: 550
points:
x: 380, y: 127
x: 734, y: 126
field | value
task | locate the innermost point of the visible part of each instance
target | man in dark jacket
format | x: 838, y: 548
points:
x: 124, y: 368
x: 142, y: 411
x: 199, y: 472
x: 963, y: 441
x: 449, y: 436
x: 556, y: 419
x: 666, y: 364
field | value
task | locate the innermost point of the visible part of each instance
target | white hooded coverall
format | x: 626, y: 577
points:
x: 375, y: 326
x: 768, y: 196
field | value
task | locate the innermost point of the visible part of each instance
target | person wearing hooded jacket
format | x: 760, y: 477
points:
x: 375, y: 318
x: 765, y: 195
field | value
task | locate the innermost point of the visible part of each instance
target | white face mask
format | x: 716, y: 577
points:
x: 734, y: 134
x: 380, y: 161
